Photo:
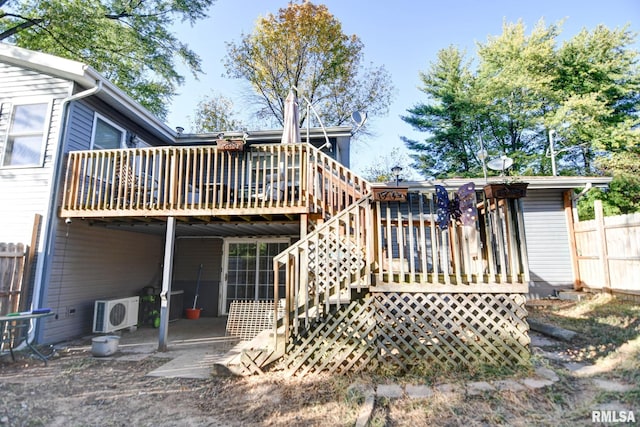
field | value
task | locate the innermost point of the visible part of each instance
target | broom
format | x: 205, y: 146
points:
x: 195, y: 299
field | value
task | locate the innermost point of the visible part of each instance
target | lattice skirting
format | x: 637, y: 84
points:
x: 247, y: 319
x: 401, y: 331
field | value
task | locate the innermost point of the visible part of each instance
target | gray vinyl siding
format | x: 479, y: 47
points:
x: 547, y: 242
x: 25, y: 191
x: 189, y: 254
x: 93, y: 262
x: 16, y: 82
x: 80, y: 127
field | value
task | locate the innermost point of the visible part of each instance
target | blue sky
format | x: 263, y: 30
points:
x: 402, y: 35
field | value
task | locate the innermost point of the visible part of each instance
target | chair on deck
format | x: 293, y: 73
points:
x: 138, y: 189
x: 277, y: 183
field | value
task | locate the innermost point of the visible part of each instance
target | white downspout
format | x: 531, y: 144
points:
x: 44, y: 262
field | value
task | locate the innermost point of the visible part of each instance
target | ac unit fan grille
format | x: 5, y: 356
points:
x: 114, y: 314
x: 118, y: 314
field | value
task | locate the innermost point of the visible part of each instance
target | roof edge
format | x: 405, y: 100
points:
x: 83, y: 75
x: 535, y: 182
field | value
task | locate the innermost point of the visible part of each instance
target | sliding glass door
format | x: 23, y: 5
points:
x: 249, y: 270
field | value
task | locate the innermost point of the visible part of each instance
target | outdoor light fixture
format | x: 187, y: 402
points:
x: 179, y: 129
x: 396, y: 170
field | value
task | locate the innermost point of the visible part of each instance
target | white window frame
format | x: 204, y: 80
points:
x: 98, y: 116
x: 13, y: 104
x: 222, y: 297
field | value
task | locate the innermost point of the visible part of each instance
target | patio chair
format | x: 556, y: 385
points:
x: 127, y: 182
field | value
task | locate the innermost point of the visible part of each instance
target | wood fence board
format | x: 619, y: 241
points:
x: 608, y: 251
x: 12, y: 269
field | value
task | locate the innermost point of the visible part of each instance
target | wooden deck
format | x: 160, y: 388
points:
x: 362, y: 268
x: 381, y: 283
x: 207, y: 181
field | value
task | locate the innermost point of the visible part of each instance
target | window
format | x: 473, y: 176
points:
x: 106, y: 134
x: 25, y: 139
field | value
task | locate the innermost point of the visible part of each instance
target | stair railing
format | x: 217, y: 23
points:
x: 332, y: 187
x: 322, y: 268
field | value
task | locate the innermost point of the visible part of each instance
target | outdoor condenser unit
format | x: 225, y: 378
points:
x: 112, y: 315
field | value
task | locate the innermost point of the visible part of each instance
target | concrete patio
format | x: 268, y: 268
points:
x: 194, y: 346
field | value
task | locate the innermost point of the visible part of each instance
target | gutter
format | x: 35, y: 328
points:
x: 50, y: 223
x: 91, y: 76
x: 85, y: 76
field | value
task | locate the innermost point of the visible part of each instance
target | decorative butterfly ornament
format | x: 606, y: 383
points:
x: 462, y: 208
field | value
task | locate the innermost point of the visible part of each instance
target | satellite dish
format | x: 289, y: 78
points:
x: 500, y: 164
x: 359, y: 119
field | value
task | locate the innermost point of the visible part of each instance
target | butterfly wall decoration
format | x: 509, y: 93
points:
x: 461, y: 208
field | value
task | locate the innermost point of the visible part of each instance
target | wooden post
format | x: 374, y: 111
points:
x: 568, y: 212
x: 524, y: 252
x: 165, y: 294
x: 602, y: 245
x: 21, y: 303
x: 304, y: 225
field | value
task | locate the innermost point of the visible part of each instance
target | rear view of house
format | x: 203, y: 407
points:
x: 352, y: 271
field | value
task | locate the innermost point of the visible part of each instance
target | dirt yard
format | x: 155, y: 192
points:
x: 76, y: 389
x: 80, y: 390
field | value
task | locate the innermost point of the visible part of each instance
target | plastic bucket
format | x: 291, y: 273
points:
x: 104, y: 346
x: 192, y: 313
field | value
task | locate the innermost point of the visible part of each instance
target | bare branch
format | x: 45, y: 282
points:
x: 22, y: 26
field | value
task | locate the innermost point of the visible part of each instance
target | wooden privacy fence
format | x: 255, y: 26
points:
x: 13, y: 258
x: 607, y: 251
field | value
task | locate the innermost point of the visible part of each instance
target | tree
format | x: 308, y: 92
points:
x: 215, y: 113
x: 450, y: 118
x: 597, y: 87
x: 304, y: 47
x: 623, y: 194
x: 129, y: 42
x: 512, y: 92
x: 380, y: 171
x: 586, y: 91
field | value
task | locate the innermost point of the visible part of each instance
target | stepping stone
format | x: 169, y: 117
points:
x: 479, y: 387
x: 508, y: 385
x: 612, y: 385
x: 391, y: 391
x: 540, y: 341
x: 367, y: 409
x: 418, y: 391
x: 581, y: 370
x: 449, y: 388
x: 547, y: 374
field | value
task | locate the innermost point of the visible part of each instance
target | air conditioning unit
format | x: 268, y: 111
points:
x: 114, y: 314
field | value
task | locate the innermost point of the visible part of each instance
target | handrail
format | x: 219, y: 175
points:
x: 333, y: 186
x: 326, y: 264
x: 207, y: 180
x: 202, y: 180
x: 401, y: 246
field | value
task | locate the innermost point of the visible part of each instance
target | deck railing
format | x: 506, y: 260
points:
x: 206, y: 180
x: 413, y: 249
x: 399, y: 247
